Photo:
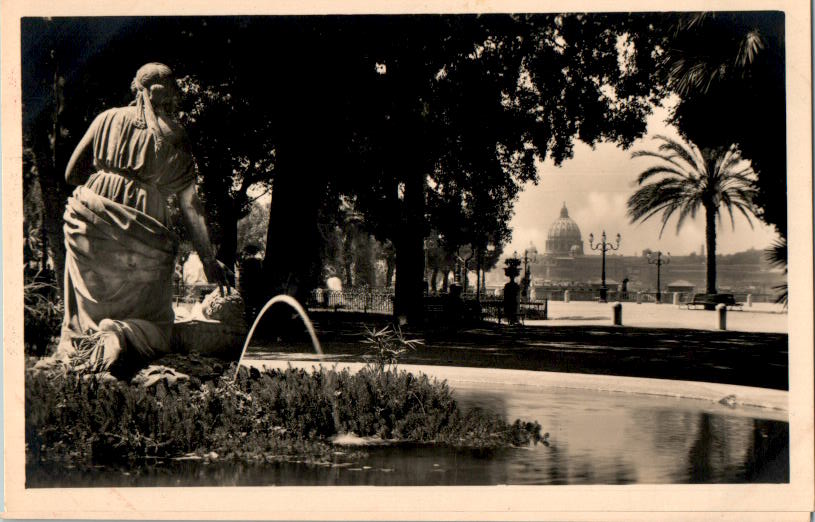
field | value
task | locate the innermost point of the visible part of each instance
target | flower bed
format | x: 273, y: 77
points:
x: 262, y: 416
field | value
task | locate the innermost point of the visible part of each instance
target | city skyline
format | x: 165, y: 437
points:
x: 595, y: 185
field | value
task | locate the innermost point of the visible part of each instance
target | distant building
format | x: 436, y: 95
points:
x: 564, y: 237
x: 564, y: 264
x: 681, y: 285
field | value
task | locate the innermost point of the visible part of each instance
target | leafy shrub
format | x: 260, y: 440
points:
x: 274, y: 414
x: 42, y: 315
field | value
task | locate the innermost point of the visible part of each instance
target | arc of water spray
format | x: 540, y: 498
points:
x: 289, y: 300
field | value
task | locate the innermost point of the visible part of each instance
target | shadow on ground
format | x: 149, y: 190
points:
x: 743, y: 358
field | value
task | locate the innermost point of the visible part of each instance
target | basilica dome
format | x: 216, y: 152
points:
x: 564, y: 237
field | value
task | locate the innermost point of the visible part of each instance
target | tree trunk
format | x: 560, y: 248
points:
x: 364, y: 267
x: 53, y: 208
x: 348, y: 256
x: 478, y: 279
x: 390, y: 263
x: 410, y: 250
x: 228, y: 240
x: 43, y: 248
x: 292, y: 261
x: 53, y: 186
x: 710, y: 240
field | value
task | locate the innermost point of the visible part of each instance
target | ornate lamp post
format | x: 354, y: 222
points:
x: 603, y: 246
x: 530, y: 255
x: 658, y: 261
x: 482, y: 284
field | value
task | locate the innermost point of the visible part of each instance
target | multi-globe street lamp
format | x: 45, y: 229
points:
x: 658, y: 261
x: 603, y: 246
x: 530, y: 256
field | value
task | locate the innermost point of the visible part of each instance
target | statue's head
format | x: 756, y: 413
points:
x: 158, y: 81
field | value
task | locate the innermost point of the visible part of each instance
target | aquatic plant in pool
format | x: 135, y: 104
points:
x: 260, y: 416
x: 386, y: 346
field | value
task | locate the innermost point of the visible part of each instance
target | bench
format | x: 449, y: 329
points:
x: 434, y: 310
x: 709, y: 301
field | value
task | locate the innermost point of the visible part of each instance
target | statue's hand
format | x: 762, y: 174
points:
x: 216, y: 273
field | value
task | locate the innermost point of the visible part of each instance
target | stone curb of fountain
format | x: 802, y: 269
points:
x: 727, y: 395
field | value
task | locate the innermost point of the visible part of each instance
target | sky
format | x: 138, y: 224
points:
x: 595, y: 185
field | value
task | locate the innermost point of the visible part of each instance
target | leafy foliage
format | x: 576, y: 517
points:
x: 270, y: 415
x: 434, y: 116
x: 512, y: 267
x: 42, y: 315
x: 777, y: 257
x: 231, y: 156
x: 729, y: 71
x: 252, y: 227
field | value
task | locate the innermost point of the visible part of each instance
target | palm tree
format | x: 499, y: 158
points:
x: 777, y: 256
x: 685, y: 180
x: 724, y: 62
x: 695, y: 64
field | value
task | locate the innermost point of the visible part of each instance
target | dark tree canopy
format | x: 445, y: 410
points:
x: 428, y: 122
x: 729, y: 71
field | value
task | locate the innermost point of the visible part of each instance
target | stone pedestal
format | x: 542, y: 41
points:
x: 618, y: 314
x: 721, y: 312
x: 208, y: 338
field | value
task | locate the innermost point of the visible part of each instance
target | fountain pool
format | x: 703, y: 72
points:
x: 602, y: 430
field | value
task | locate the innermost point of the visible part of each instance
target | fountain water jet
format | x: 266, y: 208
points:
x: 292, y: 302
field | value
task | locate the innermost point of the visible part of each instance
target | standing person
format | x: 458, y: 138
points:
x: 120, y: 254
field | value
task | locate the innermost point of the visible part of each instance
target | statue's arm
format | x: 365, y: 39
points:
x: 81, y: 163
x: 193, y: 213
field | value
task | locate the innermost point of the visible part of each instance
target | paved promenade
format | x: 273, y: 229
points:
x: 761, y: 317
x: 680, y: 349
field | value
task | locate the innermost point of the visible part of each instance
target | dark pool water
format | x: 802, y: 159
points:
x: 594, y: 438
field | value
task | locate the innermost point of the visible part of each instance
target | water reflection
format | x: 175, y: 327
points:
x: 595, y: 438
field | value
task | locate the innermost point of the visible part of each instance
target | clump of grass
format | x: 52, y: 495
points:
x: 42, y: 312
x: 263, y: 416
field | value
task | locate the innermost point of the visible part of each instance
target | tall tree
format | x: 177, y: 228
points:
x: 234, y: 152
x: 367, y: 106
x: 729, y: 72
x: 496, y: 92
x: 686, y: 179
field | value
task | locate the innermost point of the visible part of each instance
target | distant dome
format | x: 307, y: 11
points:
x: 564, y: 236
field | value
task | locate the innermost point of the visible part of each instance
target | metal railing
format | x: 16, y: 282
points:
x: 374, y: 301
x: 493, y: 308
x: 645, y: 297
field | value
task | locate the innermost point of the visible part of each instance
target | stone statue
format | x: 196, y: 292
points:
x: 120, y: 254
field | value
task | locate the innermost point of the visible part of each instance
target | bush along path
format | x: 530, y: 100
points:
x: 262, y: 416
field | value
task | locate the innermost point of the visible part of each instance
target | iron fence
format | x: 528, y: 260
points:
x: 645, y: 297
x: 375, y: 301
x: 493, y: 308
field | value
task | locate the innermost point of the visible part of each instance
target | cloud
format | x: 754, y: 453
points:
x: 596, y: 184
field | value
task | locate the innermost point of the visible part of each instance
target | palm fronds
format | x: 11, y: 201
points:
x: 776, y: 255
x: 685, y: 179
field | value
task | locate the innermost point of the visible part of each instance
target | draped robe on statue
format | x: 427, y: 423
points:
x: 120, y: 254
